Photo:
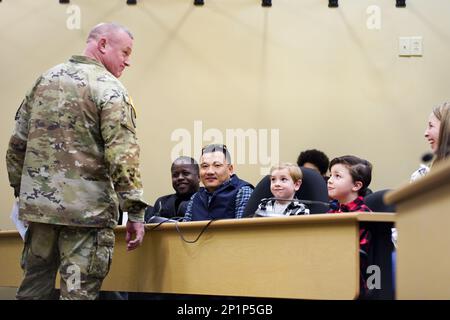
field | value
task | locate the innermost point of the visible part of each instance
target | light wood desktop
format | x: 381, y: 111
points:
x: 306, y: 257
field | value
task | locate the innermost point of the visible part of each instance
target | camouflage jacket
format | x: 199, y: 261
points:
x: 74, y: 155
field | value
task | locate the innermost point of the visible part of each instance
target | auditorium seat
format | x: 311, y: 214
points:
x: 375, y: 202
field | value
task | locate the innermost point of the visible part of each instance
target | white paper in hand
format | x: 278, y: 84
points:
x: 124, y: 218
x: 20, y: 225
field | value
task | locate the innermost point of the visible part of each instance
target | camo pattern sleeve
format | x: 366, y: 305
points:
x: 15, y: 154
x: 118, y: 126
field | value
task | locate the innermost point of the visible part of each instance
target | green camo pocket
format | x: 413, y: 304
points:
x: 102, y: 255
x: 26, y: 248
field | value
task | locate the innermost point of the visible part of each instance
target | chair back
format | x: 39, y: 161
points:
x: 376, y: 203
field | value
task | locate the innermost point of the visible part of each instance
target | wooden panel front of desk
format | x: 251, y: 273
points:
x: 423, y: 226
x: 308, y: 257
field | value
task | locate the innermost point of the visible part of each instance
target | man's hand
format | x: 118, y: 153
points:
x: 135, y: 230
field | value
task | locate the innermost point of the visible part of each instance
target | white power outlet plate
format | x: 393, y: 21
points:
x: 416, y: 46
x: 410, y: 46
x: 404, y: 46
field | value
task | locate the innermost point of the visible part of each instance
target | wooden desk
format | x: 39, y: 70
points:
x: 423, y: 225
x: 308, y: 257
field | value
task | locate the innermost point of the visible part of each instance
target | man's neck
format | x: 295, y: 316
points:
x: 211, y: 190
x: 185, y: 196
x: 93, y: 55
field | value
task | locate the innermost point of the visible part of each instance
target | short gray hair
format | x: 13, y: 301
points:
x: 107, y: 28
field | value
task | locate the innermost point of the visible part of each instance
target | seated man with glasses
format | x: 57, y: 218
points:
x: 224, y: 195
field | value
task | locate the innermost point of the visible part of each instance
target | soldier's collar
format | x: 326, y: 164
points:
x: 84, y: 59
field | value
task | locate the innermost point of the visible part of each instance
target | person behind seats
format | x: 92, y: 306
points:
x: 316, y: 160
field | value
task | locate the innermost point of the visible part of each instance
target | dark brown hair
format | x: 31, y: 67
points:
x: 360, y: 170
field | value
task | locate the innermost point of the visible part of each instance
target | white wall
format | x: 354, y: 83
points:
x: 318, y: 75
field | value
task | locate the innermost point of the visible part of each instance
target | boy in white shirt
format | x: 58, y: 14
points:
x: 285, y: 181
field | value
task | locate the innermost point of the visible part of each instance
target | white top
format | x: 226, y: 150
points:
x: 419, y: 173
x: 279, y: 208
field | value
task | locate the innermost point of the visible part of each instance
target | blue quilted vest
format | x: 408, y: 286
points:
x: 222, y: 203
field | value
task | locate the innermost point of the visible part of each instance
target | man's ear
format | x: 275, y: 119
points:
x: 101, y: 45
x: 231, y: 169
x: 357, y: 186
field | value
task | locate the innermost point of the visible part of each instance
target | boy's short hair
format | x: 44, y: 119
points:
x: 294, y: 170
x: 360, y: 170
x: 218, y: 148
x: 316, y: 157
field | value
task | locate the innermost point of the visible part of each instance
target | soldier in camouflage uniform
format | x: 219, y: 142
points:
x: 72, y: 160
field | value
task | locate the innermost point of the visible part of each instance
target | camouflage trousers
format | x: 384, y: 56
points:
x: 81, y: 255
